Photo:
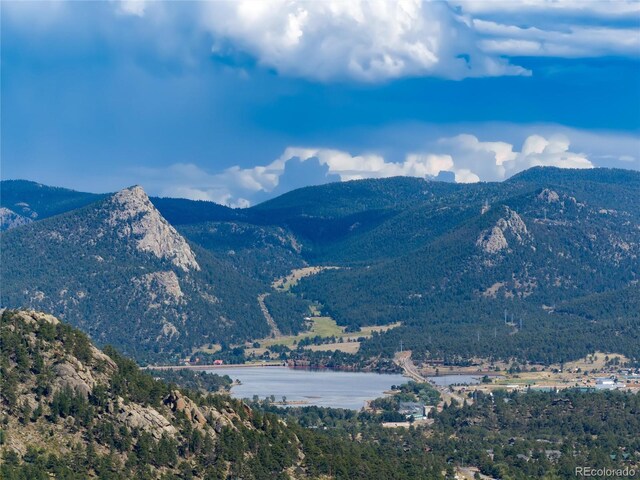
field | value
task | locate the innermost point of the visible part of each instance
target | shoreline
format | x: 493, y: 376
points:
x: 213, y: 367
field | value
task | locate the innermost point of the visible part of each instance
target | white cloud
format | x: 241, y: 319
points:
x: 363, y: 40
x: 572, y: 41
x: 132, y: 7
x: 552, y: 8
x: 553, y: 152
x: 370, y: 40
x: 486, y: 159
x: 355, y: 167
x: 470, y: 160
x: 495, y: 161
x: 378, y: 40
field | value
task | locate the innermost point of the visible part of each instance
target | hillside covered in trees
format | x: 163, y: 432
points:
x: 557, y: 250
x: 72, y: 411
x: 69, y: 410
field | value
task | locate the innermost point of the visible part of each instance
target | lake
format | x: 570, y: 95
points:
x: 324, y: 388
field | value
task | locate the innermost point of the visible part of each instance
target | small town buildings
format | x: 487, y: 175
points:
x: 415, y: 410
x: 608, y: 384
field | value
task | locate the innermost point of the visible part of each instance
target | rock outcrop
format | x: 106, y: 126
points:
x: 179, y: 403
x: 68, y: 370
x: 84, y: 377
x: 494, y: 240
x: 161, y: 286
x: 548, y: 196
x: 10, y: 219
x: 147, y: 419
x: 132, y: 214
x: 58, y: 350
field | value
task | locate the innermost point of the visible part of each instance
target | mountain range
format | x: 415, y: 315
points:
x: 516, y: 269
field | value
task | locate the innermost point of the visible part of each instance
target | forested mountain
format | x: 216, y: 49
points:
x: 263, y: 252
x: 119, y: 271
x: 528, y: 253
x: 34, y: 201
x: 444, y: 259
x: 72, y: 411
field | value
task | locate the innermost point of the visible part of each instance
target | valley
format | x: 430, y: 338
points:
x: 72, y: 411
x: 319, y: 240
x: 448, y: 316
x: 343, y: 282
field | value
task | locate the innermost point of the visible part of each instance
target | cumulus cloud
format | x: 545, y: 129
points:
x: 464, y: 156
x: 369, y: 165
x: 495, y: 161
x: 380, y: 40
x: 364, y: 40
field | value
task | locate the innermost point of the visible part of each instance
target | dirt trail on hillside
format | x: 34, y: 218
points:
x: 275, y: 331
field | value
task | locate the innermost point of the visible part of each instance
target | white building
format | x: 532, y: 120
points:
x: 608, y: 384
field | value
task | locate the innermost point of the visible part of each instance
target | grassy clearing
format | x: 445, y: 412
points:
x: 347, y: 347
x: 285, y: 283
x: 368, y: 331
x: 208, y: 348
x: 322, y: 326
x: 596, y: 361
x: 515, y: 381
x: 326, y: 327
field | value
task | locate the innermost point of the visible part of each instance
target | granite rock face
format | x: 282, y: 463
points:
x: 132, y: 214
x: 179, y: 403
x: 144, y: 418
x: 548, y: 196
x: 511, y: 225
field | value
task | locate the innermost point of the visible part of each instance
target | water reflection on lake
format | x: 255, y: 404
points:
x: 325, y: 388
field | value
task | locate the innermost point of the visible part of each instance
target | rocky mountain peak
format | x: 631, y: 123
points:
x: 513, y: 223
x: 494, y: 240
x: 132, y: 214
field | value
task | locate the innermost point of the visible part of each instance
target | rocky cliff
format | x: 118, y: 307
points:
x: 131, y: 214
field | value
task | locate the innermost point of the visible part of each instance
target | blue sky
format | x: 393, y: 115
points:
x: 239, y: 101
